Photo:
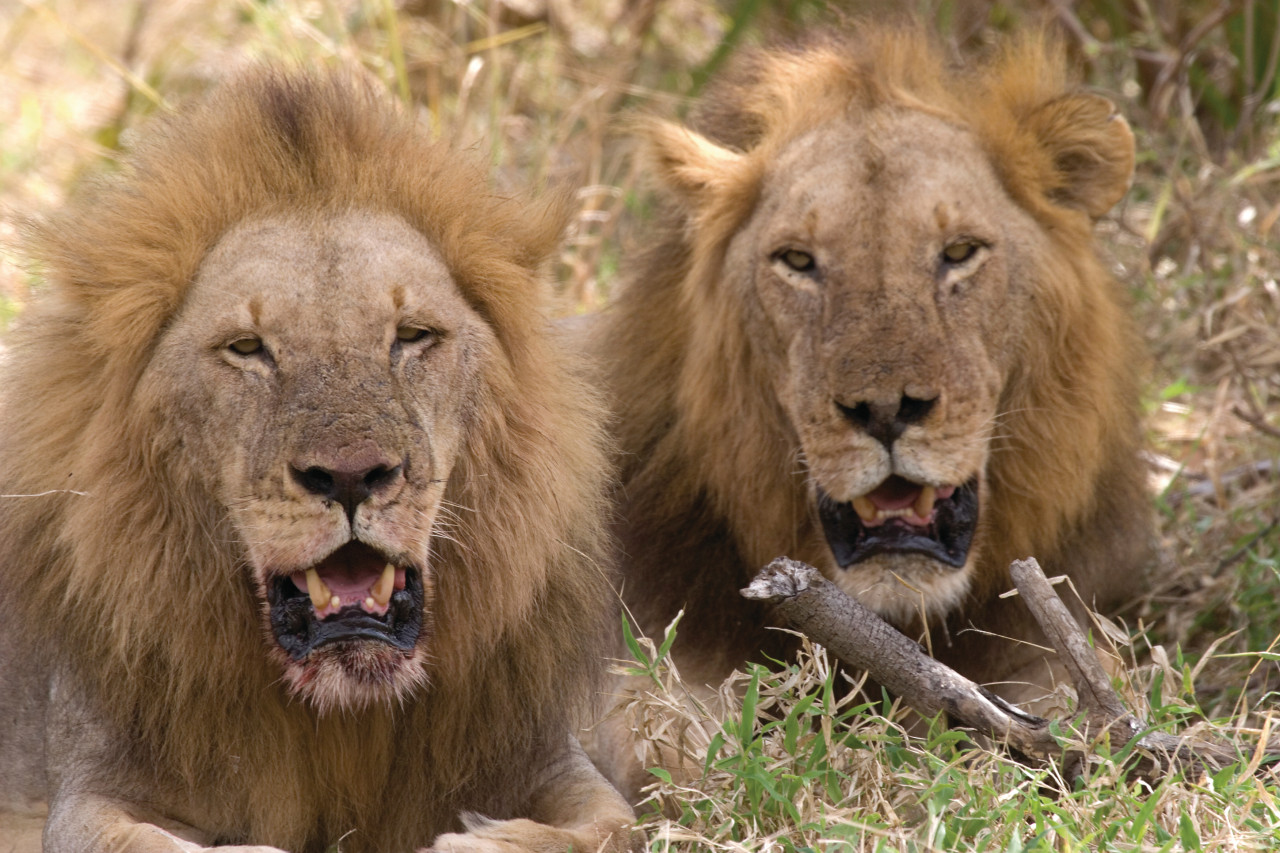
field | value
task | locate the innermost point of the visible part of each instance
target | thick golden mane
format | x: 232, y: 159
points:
x: 773, y: 96
x: 127, y: 571
x: 710, y: 464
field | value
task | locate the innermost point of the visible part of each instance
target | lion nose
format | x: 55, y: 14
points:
x: 885, y: 420
x: 349, y: 482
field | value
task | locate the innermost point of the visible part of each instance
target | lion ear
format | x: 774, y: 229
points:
x: 688, y: 163
x: 1092, y: 150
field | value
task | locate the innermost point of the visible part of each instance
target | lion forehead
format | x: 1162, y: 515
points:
x: 897, y: 177
x: 342, y: 271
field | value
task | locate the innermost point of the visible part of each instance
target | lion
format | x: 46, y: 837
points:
x: 302, y: 544
x: 873, y: 332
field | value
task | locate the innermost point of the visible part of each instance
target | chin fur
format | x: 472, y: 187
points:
x: 903, y: 587
x: 354, y: 677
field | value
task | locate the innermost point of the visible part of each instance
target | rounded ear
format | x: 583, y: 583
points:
x: 1092, y: 150
x: 687, y: 163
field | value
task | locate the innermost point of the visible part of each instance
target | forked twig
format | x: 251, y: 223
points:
x: 812, y: 604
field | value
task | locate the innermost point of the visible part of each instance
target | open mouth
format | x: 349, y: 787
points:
x: 354, y: 594
x: 902, y: 517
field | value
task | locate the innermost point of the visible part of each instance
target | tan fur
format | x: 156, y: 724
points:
x: 873, y: 153
x: 132, y: 622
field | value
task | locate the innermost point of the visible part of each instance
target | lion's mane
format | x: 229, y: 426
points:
x: 126, y: 572
x: 711, y: 488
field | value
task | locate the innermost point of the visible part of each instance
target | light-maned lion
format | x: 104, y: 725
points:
x: 873, y: 333
x: 301, y: 538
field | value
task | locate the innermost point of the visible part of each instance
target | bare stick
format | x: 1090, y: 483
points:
x: 1093, y: 684
x: 801, y: 595
x: 812, y: 604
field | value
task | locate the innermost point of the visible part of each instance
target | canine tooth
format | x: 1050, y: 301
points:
x: 865, y: 508
x: 385, y: 585
x: 318, y: 590
x: 924, y: 501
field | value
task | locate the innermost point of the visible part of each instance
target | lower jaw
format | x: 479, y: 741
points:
x: 903, y: 588
x: 356, y: 675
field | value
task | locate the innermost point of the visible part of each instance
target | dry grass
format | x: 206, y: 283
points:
x: 1198, y: 241
x: 795, y: 759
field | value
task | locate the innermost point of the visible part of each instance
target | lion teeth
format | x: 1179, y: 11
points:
x: 865, y: 508
x: 321, y: 597
x: 381, y: 591
x: 923, y: 505
x: 335, y: 602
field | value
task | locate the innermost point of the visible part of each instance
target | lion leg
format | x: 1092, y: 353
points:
x: 85, y: 757
x: 1032, y: 686
x: 91, y: 823
x: 625, y: 742
x: 20, y: 833
x: 616, y: 750
x: 572, y: 807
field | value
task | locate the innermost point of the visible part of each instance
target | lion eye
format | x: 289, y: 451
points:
x: 412, y: 334
x: 959, y: 252
x: 797, y: 260
x: 246, y: 346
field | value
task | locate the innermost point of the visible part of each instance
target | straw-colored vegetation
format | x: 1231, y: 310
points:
x: 537, y: 85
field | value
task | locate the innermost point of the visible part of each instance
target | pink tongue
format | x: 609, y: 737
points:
x: 894, y: 493
x: 349, y: 573
x: 349, y: 585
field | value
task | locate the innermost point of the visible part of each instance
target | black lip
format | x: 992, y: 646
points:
x: 946, y: 539
x: 299, y: 632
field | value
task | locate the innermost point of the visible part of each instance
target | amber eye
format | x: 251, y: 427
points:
x: 797, y: 260
x: 960, y: 251
x: 411, y: 334
x: 248, y: 345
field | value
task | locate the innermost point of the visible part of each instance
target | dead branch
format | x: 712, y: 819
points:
x: 860, y: 638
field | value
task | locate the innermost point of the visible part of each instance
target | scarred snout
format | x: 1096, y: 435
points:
x: 350, y: 475
x: 903, y: 484
x: 885, y: 415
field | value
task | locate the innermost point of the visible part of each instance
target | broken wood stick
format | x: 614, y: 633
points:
x: 861, y: 639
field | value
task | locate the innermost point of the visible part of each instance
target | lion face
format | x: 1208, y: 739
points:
x: 320, y: 368
x: 885, y: 275
x: 887, y: 287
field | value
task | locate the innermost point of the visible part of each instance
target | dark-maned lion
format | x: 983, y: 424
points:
x: 301, y: 540
x: 873, y: 333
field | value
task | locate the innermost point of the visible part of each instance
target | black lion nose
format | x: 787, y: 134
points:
x: 349, y: 483
x: 885, y: 421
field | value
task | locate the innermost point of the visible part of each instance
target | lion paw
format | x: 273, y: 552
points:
x: 512, y: 836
